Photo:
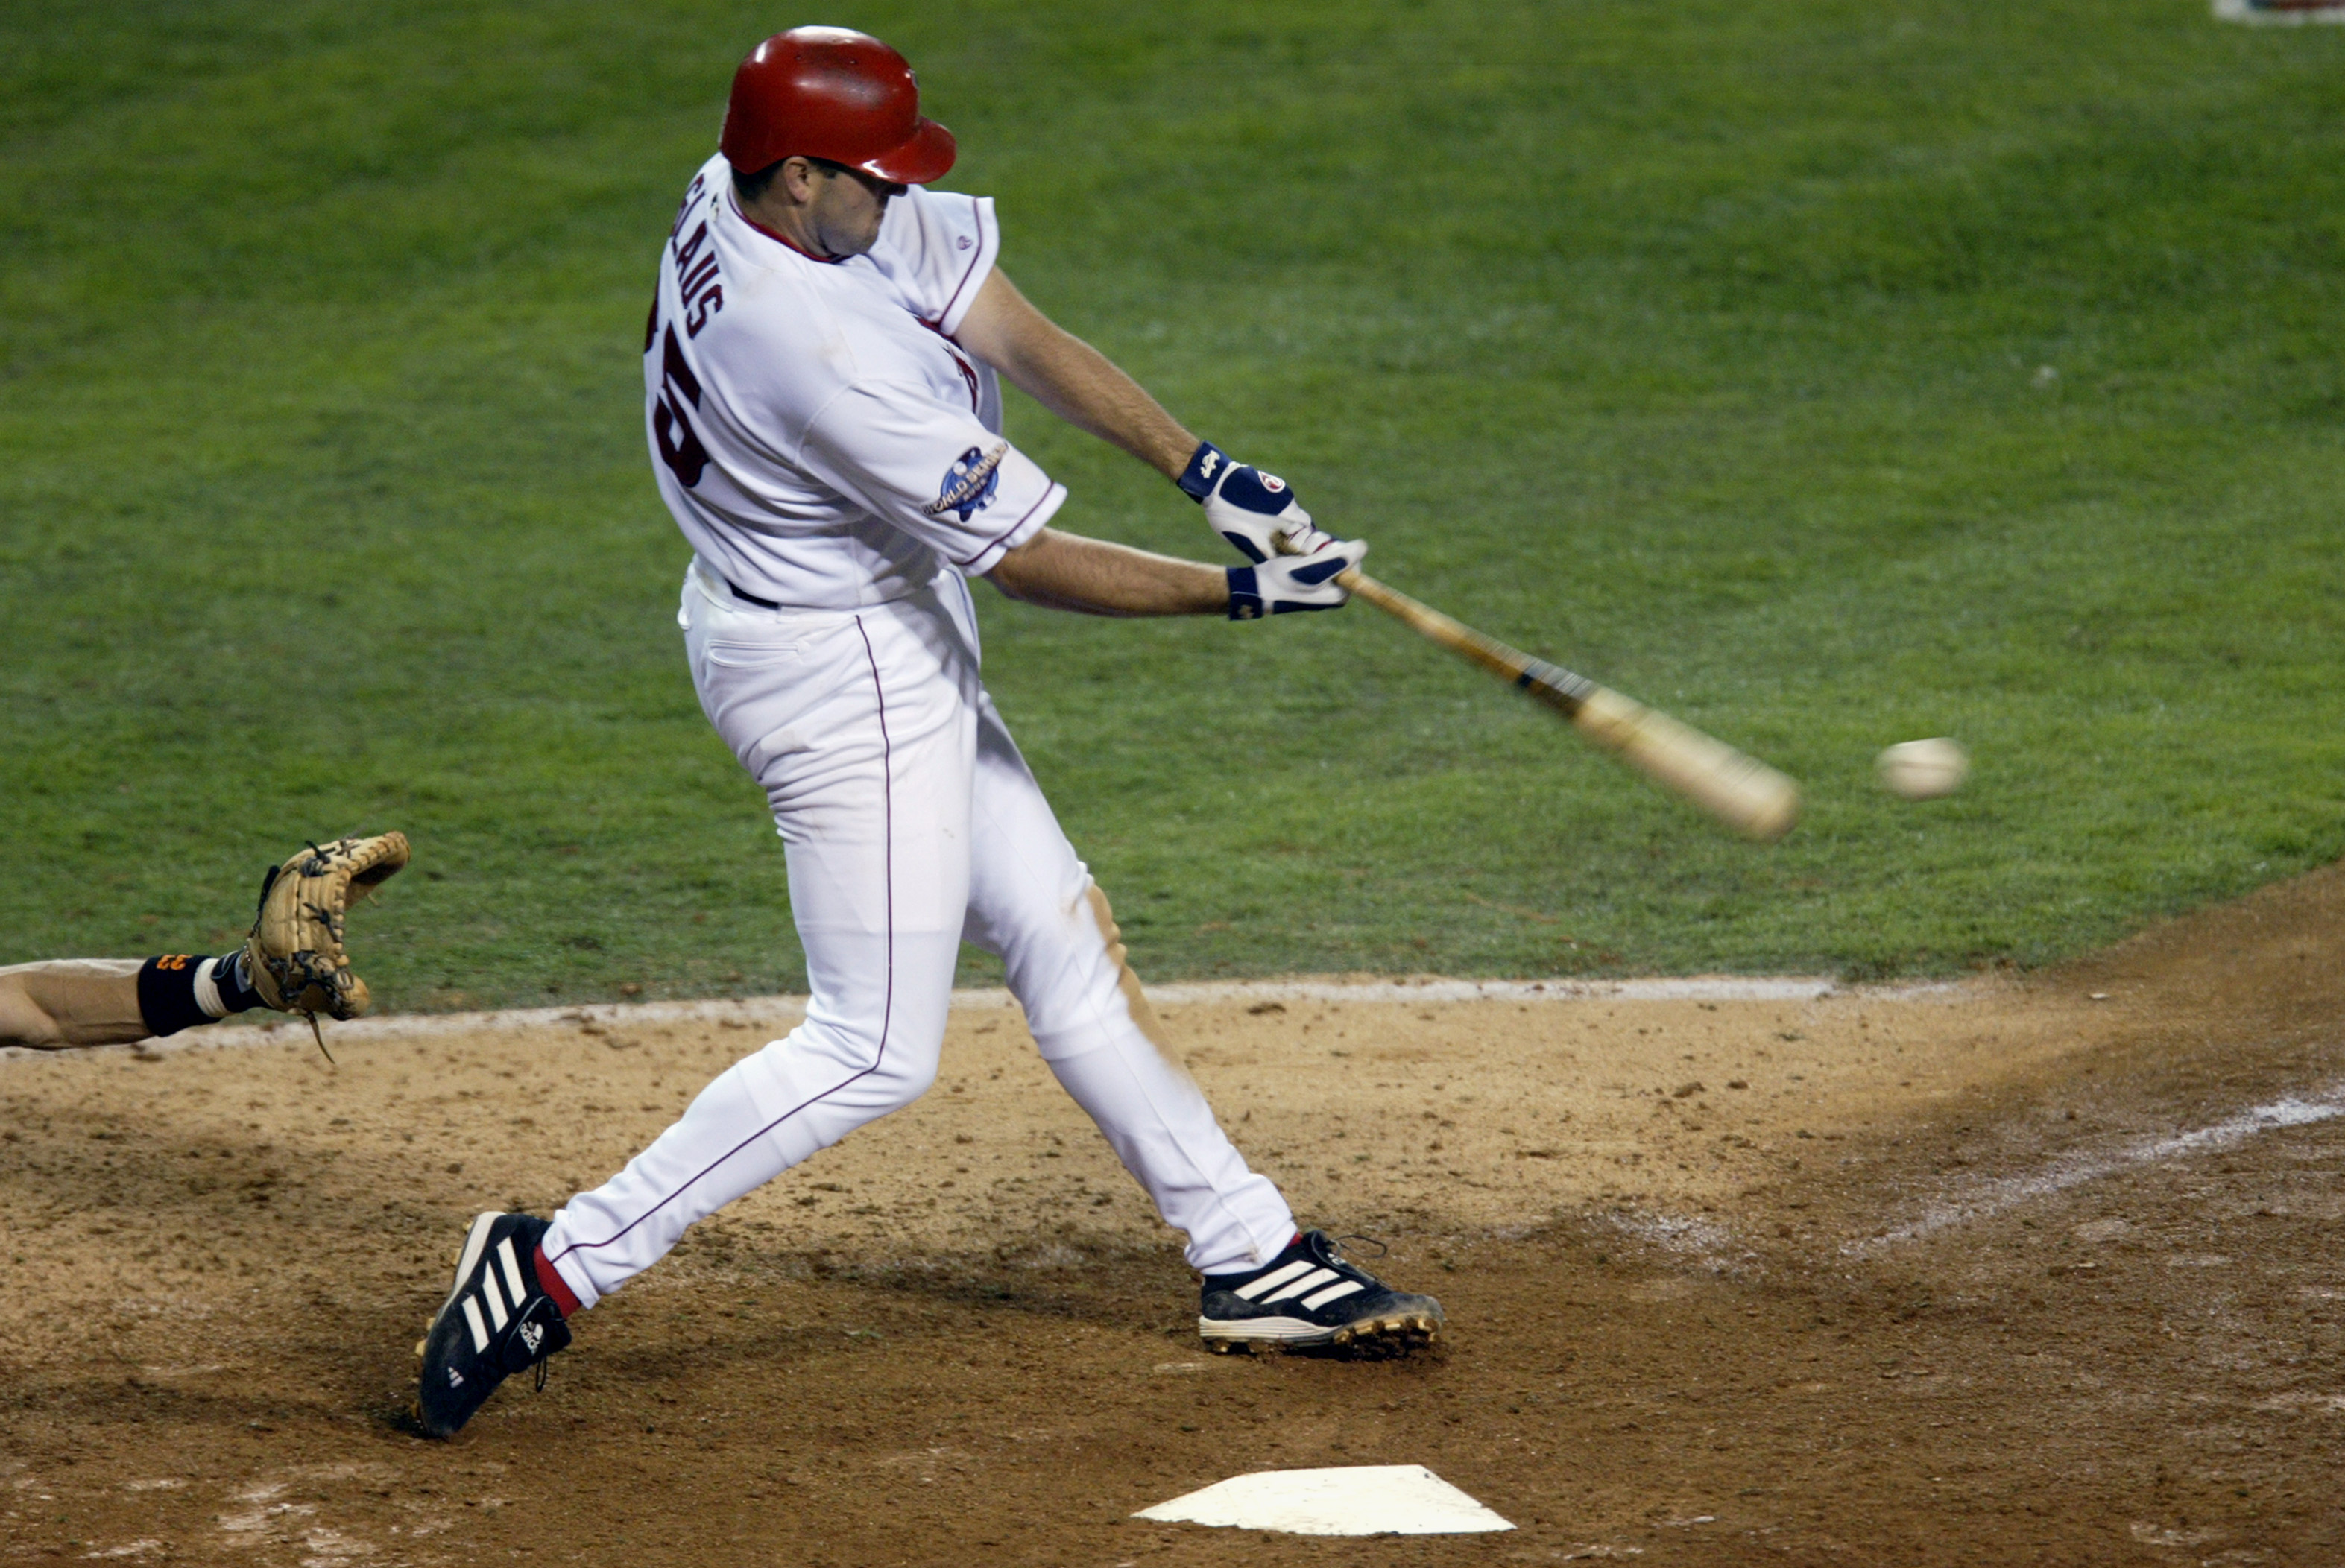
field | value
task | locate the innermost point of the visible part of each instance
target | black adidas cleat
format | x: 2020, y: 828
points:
x: 496, y: 1322
x: 1309, y: 1295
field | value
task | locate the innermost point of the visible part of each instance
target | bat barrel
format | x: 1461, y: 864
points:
x: 1741, y: 790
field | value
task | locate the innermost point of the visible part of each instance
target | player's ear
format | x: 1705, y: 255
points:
x: 798, y: 179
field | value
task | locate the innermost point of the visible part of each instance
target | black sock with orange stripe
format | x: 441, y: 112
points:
x: 181, y: 990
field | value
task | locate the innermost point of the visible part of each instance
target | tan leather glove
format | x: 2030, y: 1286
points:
x: 295, y: 952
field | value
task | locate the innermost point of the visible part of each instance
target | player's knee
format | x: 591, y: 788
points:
x: 908, y: 1057
x: 889, y: 1059
x: 1067, y: 965
x: 912, y: 1077
x: 894, y: 1078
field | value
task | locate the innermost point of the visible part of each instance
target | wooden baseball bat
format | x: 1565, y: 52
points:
x: 1740, y: 791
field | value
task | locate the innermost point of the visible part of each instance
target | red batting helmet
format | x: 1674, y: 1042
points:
x: 833, y: 94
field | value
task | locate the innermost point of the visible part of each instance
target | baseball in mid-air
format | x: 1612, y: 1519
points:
x: 1923, y: 770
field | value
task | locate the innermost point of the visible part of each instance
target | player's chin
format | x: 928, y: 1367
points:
x: 854, y: 242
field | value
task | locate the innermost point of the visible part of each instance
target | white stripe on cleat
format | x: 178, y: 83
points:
x: 1252, y: 1289
x: 475, y: 1240
x: 1331, y: 1293
x: 1311, y: 1281
x: 512, y: 1266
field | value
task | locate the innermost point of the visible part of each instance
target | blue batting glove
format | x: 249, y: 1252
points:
x: 1286, y: 582
x: 1255, y: 512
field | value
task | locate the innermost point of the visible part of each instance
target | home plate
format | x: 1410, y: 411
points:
x: 1356, y: 1500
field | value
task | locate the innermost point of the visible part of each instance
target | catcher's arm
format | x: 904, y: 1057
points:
x: 293, y: 961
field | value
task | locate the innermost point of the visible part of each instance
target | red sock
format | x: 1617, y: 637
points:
x: 550, y: 1280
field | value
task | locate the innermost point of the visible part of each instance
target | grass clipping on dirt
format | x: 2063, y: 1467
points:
x: 1824, y: 375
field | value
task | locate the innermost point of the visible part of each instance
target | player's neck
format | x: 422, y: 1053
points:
x: 791, y: 224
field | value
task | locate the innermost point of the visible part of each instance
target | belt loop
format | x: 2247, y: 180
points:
x: 747, y: 598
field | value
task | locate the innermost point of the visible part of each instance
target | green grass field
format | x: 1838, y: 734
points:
x: 1827, y: 373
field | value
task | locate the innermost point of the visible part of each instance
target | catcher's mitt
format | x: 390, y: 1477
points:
x: 295, y: 952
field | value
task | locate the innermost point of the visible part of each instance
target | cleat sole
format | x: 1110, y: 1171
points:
x: 1273, y: 1308
x: 1395, y: 1334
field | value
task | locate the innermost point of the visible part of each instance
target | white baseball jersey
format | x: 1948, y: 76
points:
x: 821, y: 440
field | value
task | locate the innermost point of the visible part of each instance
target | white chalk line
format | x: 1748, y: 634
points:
x: 2270, y: 16
x: 1706, y: 1241
x: 1687, y: 988
x: 1718, y: 1246
x: 1986, y: 1199
x: 1219, y: 993
x: 780, y: 1011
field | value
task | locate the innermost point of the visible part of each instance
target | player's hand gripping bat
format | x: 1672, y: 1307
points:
x: 1742, y: 792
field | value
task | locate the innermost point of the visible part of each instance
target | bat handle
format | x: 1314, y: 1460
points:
x: 1551, y: 683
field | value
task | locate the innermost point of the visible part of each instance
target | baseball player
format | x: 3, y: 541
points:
x: 293, y: 961
x: 823, y: 412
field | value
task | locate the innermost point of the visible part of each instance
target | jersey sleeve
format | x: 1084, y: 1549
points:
x: 939, y: 246
x: 936, y: 474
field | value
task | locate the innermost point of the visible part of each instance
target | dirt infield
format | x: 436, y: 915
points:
x: 2032, y: 1270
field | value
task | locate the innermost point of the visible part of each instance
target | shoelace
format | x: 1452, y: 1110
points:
x: 546, y: 1361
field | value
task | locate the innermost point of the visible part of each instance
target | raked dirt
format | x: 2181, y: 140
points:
x: 1372, y: 1106
x: 2018, y: 1269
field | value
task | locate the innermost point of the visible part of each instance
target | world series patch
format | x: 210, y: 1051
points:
x: 969, y: 485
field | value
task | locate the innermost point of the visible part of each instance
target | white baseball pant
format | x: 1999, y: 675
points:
x: 910, y: 821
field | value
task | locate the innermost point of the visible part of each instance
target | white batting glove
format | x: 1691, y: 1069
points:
x: 1288, y: 583
x: 1255, y: 512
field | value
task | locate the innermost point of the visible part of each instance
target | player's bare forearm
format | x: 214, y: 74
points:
x: 1071, y: 377
x: 1093, y: 577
